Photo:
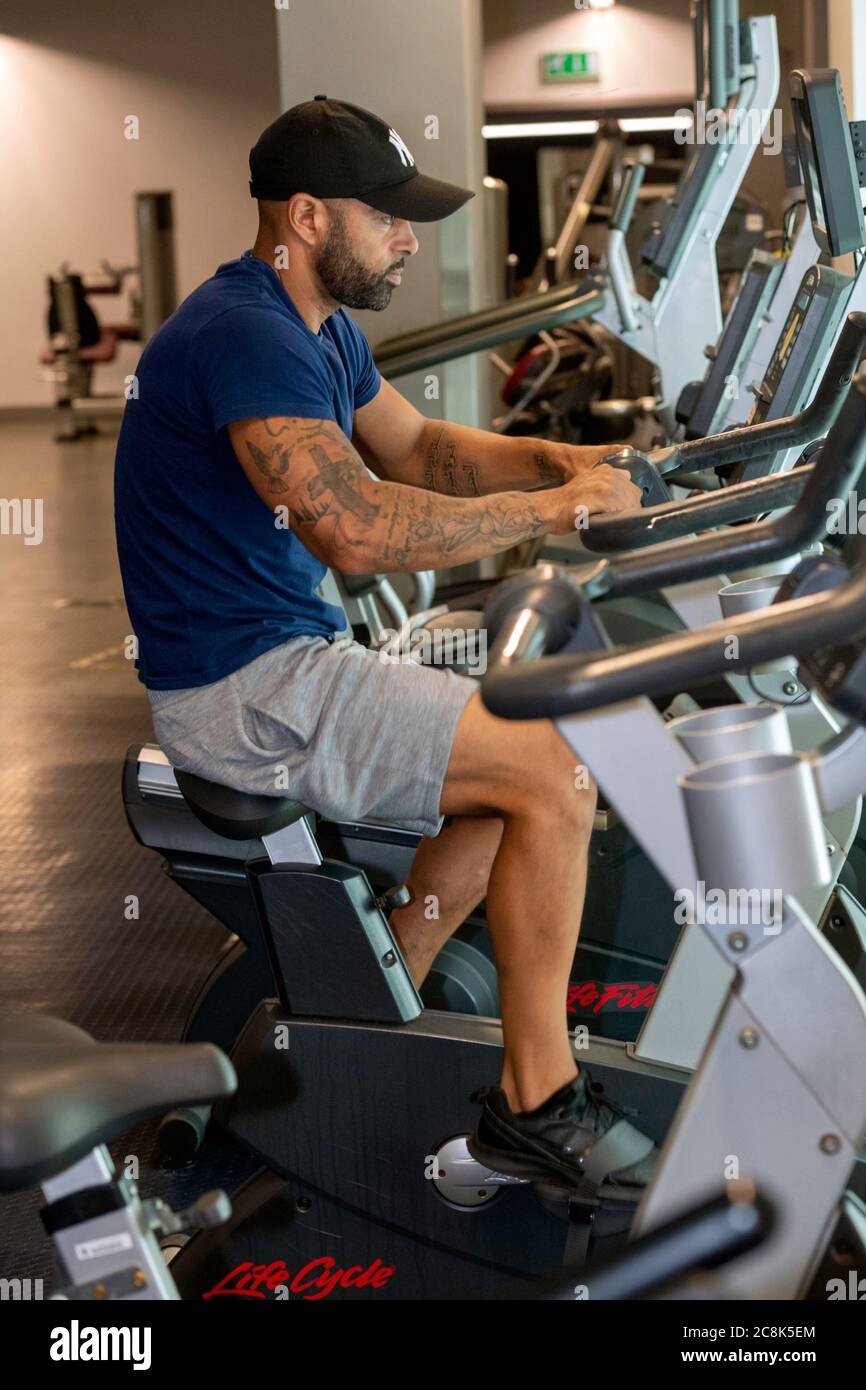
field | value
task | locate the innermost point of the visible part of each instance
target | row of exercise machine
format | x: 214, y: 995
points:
x: 747, y: 1055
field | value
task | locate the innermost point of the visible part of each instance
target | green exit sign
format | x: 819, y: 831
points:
x: 569, y: 67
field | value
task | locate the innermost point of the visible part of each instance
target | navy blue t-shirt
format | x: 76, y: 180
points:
x: 210, y: 580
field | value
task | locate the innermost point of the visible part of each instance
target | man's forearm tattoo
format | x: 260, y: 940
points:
x: 545, y: 470
x: 424, y: 533
x: 445, y: 473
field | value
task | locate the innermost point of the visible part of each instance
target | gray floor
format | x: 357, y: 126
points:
x: 70, y: 704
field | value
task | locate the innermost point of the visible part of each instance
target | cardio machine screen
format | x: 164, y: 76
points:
x: 808, y: 161
x: 826, y: 152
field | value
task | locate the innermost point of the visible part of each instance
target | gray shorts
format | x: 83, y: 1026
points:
x: 349, y: 735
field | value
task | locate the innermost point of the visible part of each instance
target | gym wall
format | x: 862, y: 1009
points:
x: 201, y: 76
x: 846, y: 30
x: 518, y: 32
x: 206, y: 76
x: 410, y: 61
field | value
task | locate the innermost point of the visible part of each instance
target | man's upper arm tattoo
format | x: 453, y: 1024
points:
x: 273, y: 464
x: 338, y: 479
x: 333, y: 491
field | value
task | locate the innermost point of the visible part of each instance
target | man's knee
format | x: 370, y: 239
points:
x: 563, y: 788
x: 531, y: 769
x: 502, y: 766
x: 547, y: 763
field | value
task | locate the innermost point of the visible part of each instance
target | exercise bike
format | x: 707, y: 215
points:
x: 212, y: 837
x: 63, y: 1094
x: 349, y: 1052
x: 62, y: 1097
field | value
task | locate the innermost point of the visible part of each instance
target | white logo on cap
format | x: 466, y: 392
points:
x: 401, y: 147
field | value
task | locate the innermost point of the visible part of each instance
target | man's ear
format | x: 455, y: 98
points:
x: 306, y: 216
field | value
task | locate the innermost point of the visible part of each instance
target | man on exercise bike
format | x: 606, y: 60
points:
x: 242, y: 473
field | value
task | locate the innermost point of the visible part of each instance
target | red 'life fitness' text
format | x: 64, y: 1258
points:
x: 591, y: 994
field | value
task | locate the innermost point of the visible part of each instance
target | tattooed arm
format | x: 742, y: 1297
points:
x: 464, y: 462
x: 363, y: 525
x: 397, y: 442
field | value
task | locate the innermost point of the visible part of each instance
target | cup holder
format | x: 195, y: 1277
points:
x: 748, y: 596
x: 756, y: 824
x: 710, y: 734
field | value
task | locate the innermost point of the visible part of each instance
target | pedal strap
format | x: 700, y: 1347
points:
x: 622, y: 1147
x: 577, y: 1241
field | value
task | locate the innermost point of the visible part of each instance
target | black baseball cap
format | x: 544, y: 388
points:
x: 332, y: 149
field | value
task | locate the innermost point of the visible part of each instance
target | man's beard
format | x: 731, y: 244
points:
x: 348, y: 280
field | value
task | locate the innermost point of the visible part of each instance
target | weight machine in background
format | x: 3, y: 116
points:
x: 79, y: 342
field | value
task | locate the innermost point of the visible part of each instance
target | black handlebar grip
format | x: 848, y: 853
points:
x: 643, y: 474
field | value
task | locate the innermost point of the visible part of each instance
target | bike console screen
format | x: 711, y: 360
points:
x: 826, y: 151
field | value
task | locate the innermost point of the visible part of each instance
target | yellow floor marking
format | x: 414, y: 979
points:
x: 96, y: 657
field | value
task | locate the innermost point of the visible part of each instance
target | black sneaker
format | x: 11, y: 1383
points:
x: 576, y: 1140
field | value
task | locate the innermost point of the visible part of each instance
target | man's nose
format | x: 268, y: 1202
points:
x: 406, y: 242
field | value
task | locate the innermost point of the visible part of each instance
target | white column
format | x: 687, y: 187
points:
x: 409, y: 63
x: 846, y: 24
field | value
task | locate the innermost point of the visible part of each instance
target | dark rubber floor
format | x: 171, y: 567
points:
x: 70, y: 703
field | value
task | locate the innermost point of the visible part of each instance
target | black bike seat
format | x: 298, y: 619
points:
x: 62, y: 1093
x: 237, y: 815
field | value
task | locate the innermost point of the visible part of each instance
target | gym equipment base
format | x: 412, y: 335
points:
x: 355, y: 1193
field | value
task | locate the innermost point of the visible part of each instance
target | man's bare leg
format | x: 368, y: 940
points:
x: 448, y: 879
x: 524, y: 773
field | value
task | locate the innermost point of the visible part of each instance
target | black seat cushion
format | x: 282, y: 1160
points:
x: 237, y: 815
x: 62, y: 1093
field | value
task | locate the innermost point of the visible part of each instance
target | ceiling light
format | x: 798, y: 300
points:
x: 643, y: 123
x: 519, y: 129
